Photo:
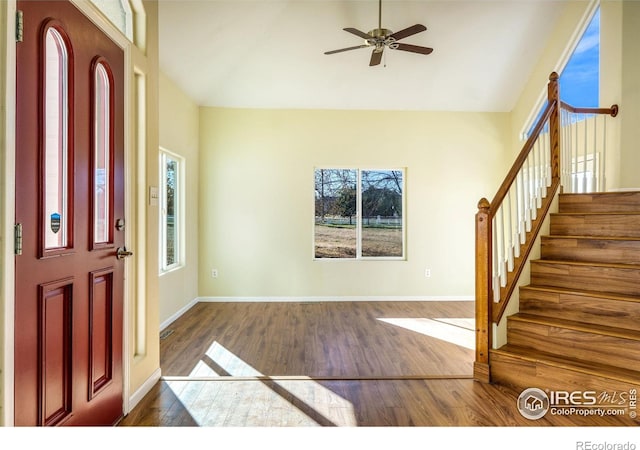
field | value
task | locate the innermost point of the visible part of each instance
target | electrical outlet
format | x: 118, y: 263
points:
x: 427, y: 273
x: 214, y: 273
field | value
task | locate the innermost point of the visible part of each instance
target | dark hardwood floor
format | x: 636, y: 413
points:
x: 340, y: 403
x: 361, y: 364
x: 322, y: 339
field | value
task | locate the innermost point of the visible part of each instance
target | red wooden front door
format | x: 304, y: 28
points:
x: 70, y: 208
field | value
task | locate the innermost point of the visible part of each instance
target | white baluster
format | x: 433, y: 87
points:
x: 603, y: 178
x: 510, y: 228
x: 521, y: 208
x: 585, y: 155
x: 494, y: 263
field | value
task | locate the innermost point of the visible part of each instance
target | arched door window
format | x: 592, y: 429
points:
x: 56, y: 154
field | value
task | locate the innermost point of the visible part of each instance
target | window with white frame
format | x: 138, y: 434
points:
x: 119, y: 13
x: 171, y: 206
x: 359, y: 214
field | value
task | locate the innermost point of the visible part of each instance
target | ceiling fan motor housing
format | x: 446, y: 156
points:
x: 382, y: 37
x: 381, y: 33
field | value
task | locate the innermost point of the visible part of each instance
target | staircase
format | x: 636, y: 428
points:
x: 579, y: 320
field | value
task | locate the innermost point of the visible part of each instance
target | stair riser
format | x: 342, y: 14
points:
x: 525, y: 374
x: 601, y: 250
x: 563, y: 342
x: 607, y: 202
x: 616, y: 280
x: 601, y: 225
x: 596, y: 310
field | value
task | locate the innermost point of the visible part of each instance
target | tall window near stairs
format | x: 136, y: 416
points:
x: 580, y: 79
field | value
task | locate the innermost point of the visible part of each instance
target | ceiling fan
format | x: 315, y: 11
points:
x: 379, y: 38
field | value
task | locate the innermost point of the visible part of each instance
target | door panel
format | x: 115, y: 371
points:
x: 54, y: 311
x: 100, y: 338
x: 69, y: 194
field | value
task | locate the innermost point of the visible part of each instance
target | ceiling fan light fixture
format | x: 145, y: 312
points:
x: 383, y: 37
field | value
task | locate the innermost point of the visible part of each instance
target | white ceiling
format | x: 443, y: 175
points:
x: 270, y: 53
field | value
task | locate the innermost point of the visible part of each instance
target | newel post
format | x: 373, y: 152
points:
x: 483, y: 292
x: 553, y: 95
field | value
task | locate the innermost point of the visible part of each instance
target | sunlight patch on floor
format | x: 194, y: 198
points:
x: 458, y: 331
x: 259, y: 402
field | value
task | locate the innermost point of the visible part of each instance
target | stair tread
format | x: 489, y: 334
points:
x: 590, y: 367
x: 597, y: 213
x: 585, y: 292
x: 604, y: 330
x: 620, y: 193
x: 593, y: 237
x: 587, y: 263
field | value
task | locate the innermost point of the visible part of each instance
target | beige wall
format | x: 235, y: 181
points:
x: 257, y: 208
x: 610, y: 81
x: 179, y: 120
x: 630, y: 104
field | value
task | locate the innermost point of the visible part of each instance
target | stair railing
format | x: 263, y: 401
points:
x: 507, y: 227
x: 584, y: 143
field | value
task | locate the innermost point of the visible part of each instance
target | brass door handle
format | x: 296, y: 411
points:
x: 122, y: 253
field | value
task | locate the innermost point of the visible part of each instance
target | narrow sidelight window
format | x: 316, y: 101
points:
x: 171, y: 236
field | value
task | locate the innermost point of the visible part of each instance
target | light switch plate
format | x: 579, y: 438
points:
x: 153, y: 196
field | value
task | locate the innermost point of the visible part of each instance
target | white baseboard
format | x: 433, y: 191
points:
x: 143, y: 390
x: 442, y: 298
x: 178, y: 313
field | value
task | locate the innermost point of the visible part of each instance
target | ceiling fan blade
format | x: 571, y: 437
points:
x: 345, y: 49
x: 414, y: 48
x: 376, y: 57
x: 359, y: 33
x: 408, y: 32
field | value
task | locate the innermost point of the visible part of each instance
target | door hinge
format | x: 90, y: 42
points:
x: 19, y: 26
x: 17, y: 239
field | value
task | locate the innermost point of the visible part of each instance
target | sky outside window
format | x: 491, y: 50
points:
x: 579, y: 81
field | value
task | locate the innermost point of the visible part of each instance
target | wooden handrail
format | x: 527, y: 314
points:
x: 613, y: 111
x: 489, y: 312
